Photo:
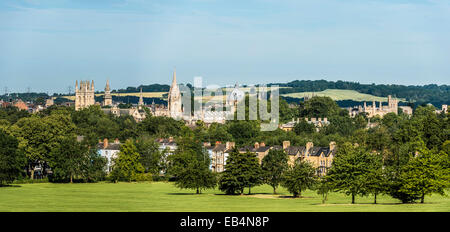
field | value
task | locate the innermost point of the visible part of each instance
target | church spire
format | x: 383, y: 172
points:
x: 107, y: 86
x: 141, y: 99
x: 174, y: 80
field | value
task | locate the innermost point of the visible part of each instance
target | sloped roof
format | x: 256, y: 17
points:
x: 111, y: 146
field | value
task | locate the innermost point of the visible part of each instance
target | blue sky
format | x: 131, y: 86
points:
x: 47, y: 45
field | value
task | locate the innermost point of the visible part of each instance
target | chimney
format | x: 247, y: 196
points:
x: 206, y: 144
x: 332, y: 145
x: 325, y: 119
x: 170, y: 139
x: 256, y: 145
x: 218, y: 142
x: 319, y: 119
x: 286, y: 144
x: 313, y: 119
x: 105, y: 143
x: 230, y: 145
x: 262, y: 144
x: 116, y: 140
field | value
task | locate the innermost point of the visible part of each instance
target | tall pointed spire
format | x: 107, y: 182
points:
x: 107, y: 88
x: 141, y: 99
x: 174, y: 80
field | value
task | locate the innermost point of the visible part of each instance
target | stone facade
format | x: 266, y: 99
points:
x: 84, y: 94
x: 317, y: 122
x: 107, y: 98
x: 444, y: 109
x: 373, y: 110
x: 320, y: 158
x: 219, y: 155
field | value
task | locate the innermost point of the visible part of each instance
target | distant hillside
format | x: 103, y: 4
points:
x: 434, y: 94
x: 145, y: 88
x: 339, y: 95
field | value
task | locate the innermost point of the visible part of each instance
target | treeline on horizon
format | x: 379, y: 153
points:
x: 432, y: 93
x: 415, y: 95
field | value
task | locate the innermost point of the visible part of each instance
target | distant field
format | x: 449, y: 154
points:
x: 335, y: 94
x: 341, y: 94
x: 165, y: 197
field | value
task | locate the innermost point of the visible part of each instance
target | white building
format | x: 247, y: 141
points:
x: 109, y: 151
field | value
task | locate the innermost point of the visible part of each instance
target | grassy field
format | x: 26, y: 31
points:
x: 341, y: 94
x: 161, y: 196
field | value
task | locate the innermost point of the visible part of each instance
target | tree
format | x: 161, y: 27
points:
x: 299, y: 178
x: 349, y: 171
x: 67, y: 159
x: 243, y: 131
x: 324, y: 187
x: 127, y: 166
x: 319, y: 107
x: 304, y: 127
x: 150, y: 154
x: 423, y: 175
x: 273, y: 166
x: 38, y: 136
x: 190, y: 165
x: 11, y: 159
x: 94, y: 167
x: 241, y: 170
x: 376, y: 181
x: 191, y: 173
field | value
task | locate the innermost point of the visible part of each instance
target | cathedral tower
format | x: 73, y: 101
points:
x: 107, y: 98
x: 84, y: 94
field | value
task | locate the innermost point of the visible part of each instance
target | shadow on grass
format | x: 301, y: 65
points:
x: 366, y: 203
x: 10, y: 185
x: 292, y: 197
x: 181, y: 194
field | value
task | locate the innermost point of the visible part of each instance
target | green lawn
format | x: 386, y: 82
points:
x: 160, y: 196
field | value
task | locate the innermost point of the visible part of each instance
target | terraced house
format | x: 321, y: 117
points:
x: 320, y: 157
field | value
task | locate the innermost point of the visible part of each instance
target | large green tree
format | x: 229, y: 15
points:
x: 299, y: 178
x: 127, y: 165
x: 12, y: 160
x: 191, y: 173
x: 67, y: 159
x: 350, y: 170
x: 150, y: 154
x: 273, y: 165
x: 241, y: 170
x: 423, y: 175
x: 38, y: 136
x: 190, y: 165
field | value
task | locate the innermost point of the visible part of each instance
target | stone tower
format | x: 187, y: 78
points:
x: 174, y: 98
x: 84, y: 94
x: 392, y: 104
x: 107, y: 98
x: 141, y: 100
